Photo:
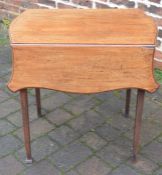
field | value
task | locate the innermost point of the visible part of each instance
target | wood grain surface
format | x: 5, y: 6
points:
x: 78, y: 26
x: 82, y: 69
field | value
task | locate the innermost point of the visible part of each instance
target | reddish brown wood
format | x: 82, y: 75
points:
x: 78, y: 69
x: 25, y: 116
x: 38, y: 101
x: 138, y: 120
x: 79, y: 26
x: 83, y: 51
x: 127, y: 103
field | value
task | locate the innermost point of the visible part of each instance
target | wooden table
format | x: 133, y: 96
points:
x: 83, y: 51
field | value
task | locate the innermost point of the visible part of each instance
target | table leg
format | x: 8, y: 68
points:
x: 26, y: 127
x: 138, y: 121
x: 127, y: 103
x: 38, y: 101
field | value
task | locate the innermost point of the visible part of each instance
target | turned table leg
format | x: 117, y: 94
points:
x: 38, y: 101
x: 26, y: 128
x: 127, y: 103
x: 138, y: 120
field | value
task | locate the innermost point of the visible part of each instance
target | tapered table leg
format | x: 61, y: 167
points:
x: 38, y: 101
x: 138, y: 121
x: 127, y: 103
x: 26, y: 127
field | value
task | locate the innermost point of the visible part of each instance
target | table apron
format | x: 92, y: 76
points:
x: 82, y: 69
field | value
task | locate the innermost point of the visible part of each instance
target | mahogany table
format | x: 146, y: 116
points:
x: 83, y: 51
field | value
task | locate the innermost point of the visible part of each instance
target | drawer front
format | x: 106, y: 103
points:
x: 82, y: 69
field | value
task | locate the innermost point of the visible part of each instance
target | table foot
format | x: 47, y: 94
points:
x: 28, y: 161
x: 126, y: 115
x: 134, y: 159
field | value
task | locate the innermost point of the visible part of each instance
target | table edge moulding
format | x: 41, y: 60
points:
x: 83, y: 51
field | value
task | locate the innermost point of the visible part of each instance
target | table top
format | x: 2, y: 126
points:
x: 78, y: 26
